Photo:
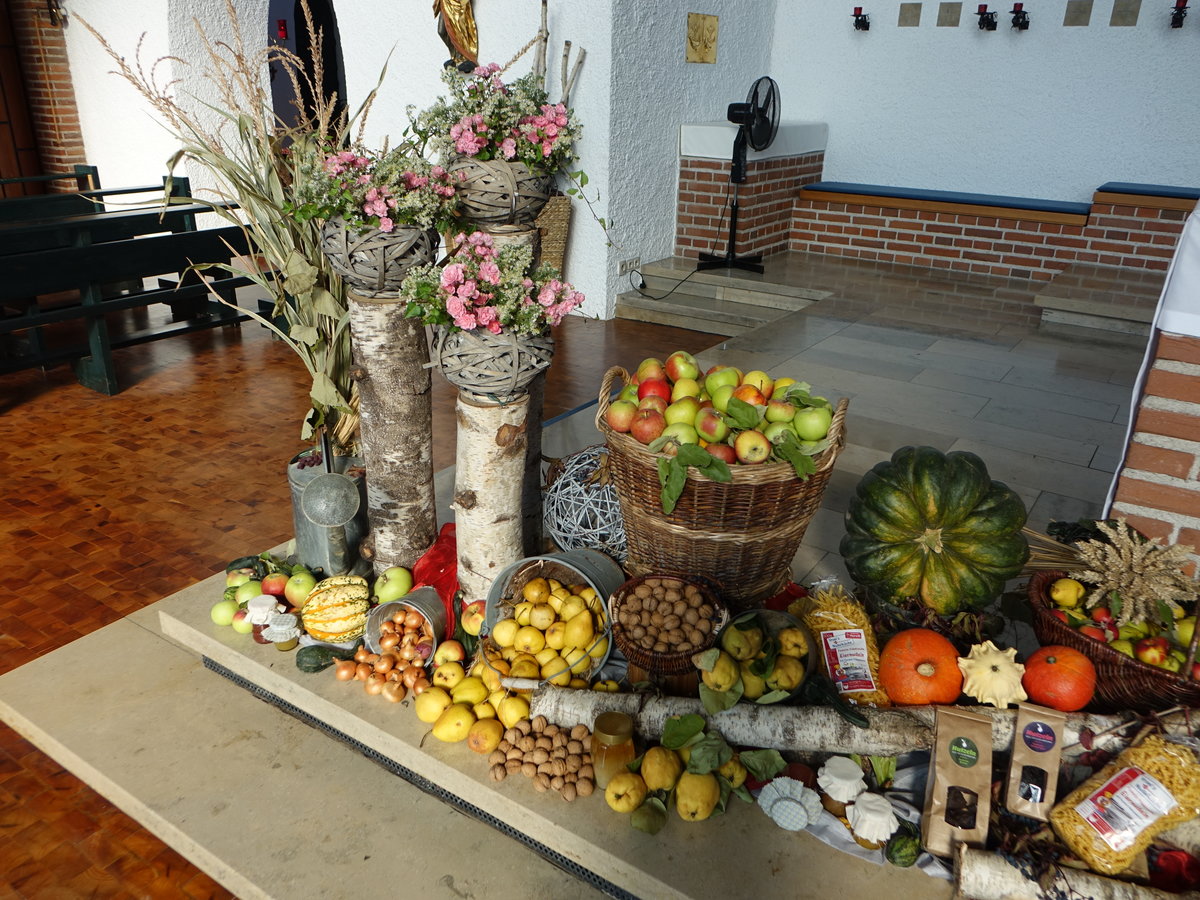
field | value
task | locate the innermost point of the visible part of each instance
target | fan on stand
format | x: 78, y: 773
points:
x: 757, y: 120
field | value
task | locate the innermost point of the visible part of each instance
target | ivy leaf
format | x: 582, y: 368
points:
x: 763, y: 764
x: 709, y: 753
x: 678, y: 731
x: 741, y: 414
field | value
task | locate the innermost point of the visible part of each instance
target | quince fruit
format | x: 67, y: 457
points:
x: 723, y: 675
x: 792, y: 642
x: 661, y: 768
x: 753, y: 687
x: 735, y: 771
x: 741, y: 644
x: 696, y: 796
x: 787, y: 674
x: 625, y: 792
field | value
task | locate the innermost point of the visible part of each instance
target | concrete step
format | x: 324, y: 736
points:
x: 699, y: 313
x: 1102, y: 297
x: 771, y: 288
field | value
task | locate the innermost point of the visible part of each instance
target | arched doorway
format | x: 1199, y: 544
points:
x: 287, y: 28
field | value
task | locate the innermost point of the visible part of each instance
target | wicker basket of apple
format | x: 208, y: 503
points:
x: 717, y: 473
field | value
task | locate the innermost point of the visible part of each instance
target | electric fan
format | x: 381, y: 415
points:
x: 757, y: 120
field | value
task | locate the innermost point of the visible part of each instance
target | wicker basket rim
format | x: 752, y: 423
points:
x: 665, y: 663
x: 758, y: 474
x: 1036, y: 591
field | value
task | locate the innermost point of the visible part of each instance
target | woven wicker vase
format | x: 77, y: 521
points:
x: 498, y: 192
x: 491, y: 368
x: 374, y: 263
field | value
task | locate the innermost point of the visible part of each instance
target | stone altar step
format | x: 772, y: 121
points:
x: 1103, y: 297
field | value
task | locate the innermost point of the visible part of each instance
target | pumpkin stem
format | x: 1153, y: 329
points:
x: 931, y: 541
x: 926, y: 669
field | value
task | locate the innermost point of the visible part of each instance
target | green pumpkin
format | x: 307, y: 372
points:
x: 904, y: 847
x: 934, y: 526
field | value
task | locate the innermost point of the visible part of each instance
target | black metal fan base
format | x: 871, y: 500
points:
x: 752, y: 263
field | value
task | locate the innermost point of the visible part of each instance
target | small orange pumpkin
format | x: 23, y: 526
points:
x: 919, y: 667
x: 1059, y: 677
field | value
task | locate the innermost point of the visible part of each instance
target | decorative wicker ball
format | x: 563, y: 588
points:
x: 580, y: 507
x: 491, y: 368
x: 499, y: 192
x: 374, y: 263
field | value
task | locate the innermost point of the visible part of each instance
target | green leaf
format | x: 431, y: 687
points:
x: 1115, y: 603
x: 801, y: 462
x: 650, y: 817
x: 636, y: 765
x: 773, y: 697
x: 660, y: 443
x: 672, y: 476
x: 719, y: 701
x: 726, y: 790
x: 743, y: 793
x: 693, y: 455
x: 795, y: 392
x: 325, y: 394
x: 706, y: 659
x: 325, y: 304
x: 741, y: 414
x: 678, y: 731
x: 709, y: 754
x: 763, y: 764
x: 304, y: 334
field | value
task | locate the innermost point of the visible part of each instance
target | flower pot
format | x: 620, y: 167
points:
x: 375, y: 262
x: 499, y: 192
x: 491, y: 368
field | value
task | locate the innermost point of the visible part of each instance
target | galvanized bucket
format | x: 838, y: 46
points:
x: 424, y: 600
x: 313, y: 545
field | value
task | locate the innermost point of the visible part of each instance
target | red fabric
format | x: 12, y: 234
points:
x: 781, y: 601
x: 1174, y: 870
x: 438, y: 568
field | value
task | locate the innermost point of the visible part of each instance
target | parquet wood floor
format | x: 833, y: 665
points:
x: 111, y: 503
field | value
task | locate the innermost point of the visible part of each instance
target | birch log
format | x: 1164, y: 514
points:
x: 489, y: 473
x: 980, y: 875
x: 396, y: 407
x: 817, y: 729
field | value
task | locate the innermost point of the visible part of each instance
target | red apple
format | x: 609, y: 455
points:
x: 1152, y: 650
x: 761, y: 380
x: 721, y: 375
x: 449, y: 651
x: 656, y: 387
x: 722, y: 452
x: 780, y: 411
x: 651, y: 369
x: 1111, y: 632
x: 710, y: 425
x: 472, y: 617
x: 647, y: 425
x: 1196, y: 671
x: 654, y: 402
x: 1060, y: 615
x: 1101, y: 614
x: 752, y: 447
x: 1094, y: 631
x: 619, y: 415
x: 275, y: 584
x: 748, y: 393
x: 681, y: 364
x: 685, y: 409
x: 241, y: 622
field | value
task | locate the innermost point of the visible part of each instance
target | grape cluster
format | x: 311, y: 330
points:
x: 313, y: 459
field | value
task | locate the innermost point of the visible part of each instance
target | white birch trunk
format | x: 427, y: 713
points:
x: 816, y: 729
x: 395, y: 403
x: 980, y: 875
x: 489, y: 474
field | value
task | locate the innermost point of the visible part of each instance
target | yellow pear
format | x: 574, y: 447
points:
x: 557, y: 671
x: 470, y: 690
x: 527, y: 667
x: 484, y: 710
x: 495, y: 697
x: 544, y: 655
x: 509, y: 654
x: 599, y: 647
x: 448, y: 674
x: 529, y: 640
x: 555, y: 602
x: 723, y: 675
x: 522, y: 611
x: 625, y: 792
x: 571, y: 607
x: 535, y: 590
x: 431, y: 703
x: 512, y: 710
x: 661, y: 768
x: 485, y: 735
x: 696, y: 796
x: 578, y: 659
x: 735, y: 770
x: 542, y: 616
x: 556, y: 635
x: 580, y: 630
x: 753, y: 687
x: 454, y: 723
x: 504, y: 632
x: 577, y: 682
x: 477, y: 668
x: 493, y: 672
x: 554, y: 583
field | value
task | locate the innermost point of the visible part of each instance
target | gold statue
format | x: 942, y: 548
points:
x: 456, y: 26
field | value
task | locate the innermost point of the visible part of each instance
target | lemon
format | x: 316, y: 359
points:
x: 1066, y: 593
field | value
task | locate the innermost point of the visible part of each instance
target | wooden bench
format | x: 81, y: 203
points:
x: 137, y: 245
x: 1059, y: 212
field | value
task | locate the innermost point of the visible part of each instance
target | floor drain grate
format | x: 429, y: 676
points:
x: 424, y: 784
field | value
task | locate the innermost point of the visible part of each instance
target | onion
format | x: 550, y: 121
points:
x: 363, y: 671
x: 374, y: 683
x: 344, y: 669
x: 371, y: 659
x: 395, y: 675
x: 411, y: 675
x: 389, y: 640
x: 413, y: 619
x: 386, y: 663
x: 395, y: 691
x: 399, y: 615
x: 407, y: 652
x: 361, y: 654
x: 424, y: 649
x: 419, y: 686
x: 387, y: 626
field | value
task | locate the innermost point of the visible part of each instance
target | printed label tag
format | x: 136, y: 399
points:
x: 847, y: 661
x: 1039, y: 737
x: 1125, y: 806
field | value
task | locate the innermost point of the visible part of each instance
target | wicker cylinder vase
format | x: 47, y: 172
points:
x: 374, y: 263
x: 499, y: 192
x: 491, y: 368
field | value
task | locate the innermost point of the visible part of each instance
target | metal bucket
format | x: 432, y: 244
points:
x: 313, y: 546
x: 597, y: 570
x: 424, y: 600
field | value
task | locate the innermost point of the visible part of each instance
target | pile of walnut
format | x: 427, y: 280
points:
x: 557, y: 759
x: 664, y: 615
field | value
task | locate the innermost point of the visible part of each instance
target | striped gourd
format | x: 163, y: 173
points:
x: 336, y: 609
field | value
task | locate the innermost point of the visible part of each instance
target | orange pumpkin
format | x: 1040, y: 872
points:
x: 918, y: 667
x: 1059, y: 677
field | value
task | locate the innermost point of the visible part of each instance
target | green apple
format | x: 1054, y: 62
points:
x: 393, y: 584
x: 241, y: 622
x: 223, y: 611
x: 1122, y: 645
x: 685, y: 409
x: 719, y: 376
x: 775, y: 431
x: 812, y: 422
x: 238, y: 577
x: 299, y: 586
x: 1184, y: 629
x: 682, y: 433
x: 248, y: 590
x: 720, y: 397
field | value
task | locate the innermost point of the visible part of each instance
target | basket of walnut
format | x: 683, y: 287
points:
x: 659, y: 621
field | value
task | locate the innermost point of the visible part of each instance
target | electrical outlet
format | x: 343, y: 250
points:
x: 628, y: 265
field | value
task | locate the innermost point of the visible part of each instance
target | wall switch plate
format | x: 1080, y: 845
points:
x: 628, y: 265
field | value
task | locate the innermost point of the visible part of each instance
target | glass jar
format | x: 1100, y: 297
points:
x: 612, y: 746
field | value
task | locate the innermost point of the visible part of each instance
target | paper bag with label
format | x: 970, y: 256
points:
x: 958, y: 791
x: 1033, y: 770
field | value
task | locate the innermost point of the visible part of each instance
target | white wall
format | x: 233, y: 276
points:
x: 1052, y: 112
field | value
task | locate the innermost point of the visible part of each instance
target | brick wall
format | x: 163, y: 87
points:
x: 1159, y: 488
x: 1125, y: 236
x: 765, y: 203
x: 48, y: 87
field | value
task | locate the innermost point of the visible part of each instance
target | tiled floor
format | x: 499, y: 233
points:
x: 114, y: 502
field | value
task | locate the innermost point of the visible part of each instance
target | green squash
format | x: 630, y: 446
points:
x: 904, y: 847
x: 934, y: 526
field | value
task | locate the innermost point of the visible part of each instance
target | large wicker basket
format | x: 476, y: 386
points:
x: 1122, y: 683
x: 491, y: 368
x: 499, y: 192
x: 374, y: 263
x: 742, y: 534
